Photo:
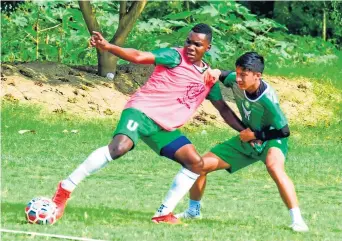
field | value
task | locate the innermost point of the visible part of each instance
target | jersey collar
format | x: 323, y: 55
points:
x: 202, y: 69
x: 263, y: 93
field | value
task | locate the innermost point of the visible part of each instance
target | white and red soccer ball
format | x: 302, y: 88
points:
x: 41, y: 210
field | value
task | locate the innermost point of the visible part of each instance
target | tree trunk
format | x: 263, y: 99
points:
x: 324, y: 28
x: 106, y: 61
x: 103, y: 59
x: 127, y: 20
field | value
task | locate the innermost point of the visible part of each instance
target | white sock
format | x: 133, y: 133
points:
x: 296, y: 215
x: 97, y: 160
x: 194, y: 208
x: 182, y: 183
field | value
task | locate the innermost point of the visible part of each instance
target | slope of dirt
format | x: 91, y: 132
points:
x: 79, y: 91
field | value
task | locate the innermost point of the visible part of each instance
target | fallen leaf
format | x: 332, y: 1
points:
x: 26, y: 131
x: 204, y: 132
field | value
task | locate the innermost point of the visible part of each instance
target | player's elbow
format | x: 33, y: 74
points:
x: 142, y: 58
x: 136, y: 59
x: 221, y: 106
x: 285, y: 131
x: 286, y: 134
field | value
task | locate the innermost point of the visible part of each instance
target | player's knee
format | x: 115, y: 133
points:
x: 118, y: 149
x: 275, y: 168
x: 196, y: 164
x: 271, y: 167
x: 274, y: 161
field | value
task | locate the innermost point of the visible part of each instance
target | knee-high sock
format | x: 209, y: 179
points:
x: 97, y: 160
x: 181, y: 185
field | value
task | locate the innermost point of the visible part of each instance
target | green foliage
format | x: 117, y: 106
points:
x: 164, y: 8
x: 9, y: 6
x: 53, y: 31
x: 56, y: 31
x: 306, y: 18
x: 236, y: 31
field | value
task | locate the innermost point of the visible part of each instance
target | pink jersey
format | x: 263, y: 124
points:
x: 171, y: 95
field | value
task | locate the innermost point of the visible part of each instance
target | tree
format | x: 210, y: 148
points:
x: 128, y: 14
x: 315, y: 18
x: 260, y: 8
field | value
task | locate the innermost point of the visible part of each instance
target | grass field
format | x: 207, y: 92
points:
x: 328, y: 73
x: 118, y: 202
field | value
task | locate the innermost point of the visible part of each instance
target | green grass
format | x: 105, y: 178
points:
x: 323, y: 73
x: 118, y: 202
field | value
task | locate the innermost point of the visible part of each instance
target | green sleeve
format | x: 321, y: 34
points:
x: 275, y: 114
x: 215, y: 92
x: 230, y: 80
x: 167, y: 57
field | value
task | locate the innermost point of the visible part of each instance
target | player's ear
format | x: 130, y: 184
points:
x: 209, y: 47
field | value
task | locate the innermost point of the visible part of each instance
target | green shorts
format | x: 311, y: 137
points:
x: 135, y: 124
x: 239, y: 154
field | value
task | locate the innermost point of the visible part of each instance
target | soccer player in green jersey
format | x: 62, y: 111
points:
x: 260, y: 111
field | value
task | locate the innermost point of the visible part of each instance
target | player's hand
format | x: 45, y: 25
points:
x: 256, y: 142
x: 98, y: 41
x: 211, y: 76
x: 247, y: 135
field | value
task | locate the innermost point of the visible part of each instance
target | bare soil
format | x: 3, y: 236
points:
x: 79, y: 91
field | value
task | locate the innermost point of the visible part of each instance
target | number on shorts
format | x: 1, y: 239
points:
x: 132, y: 125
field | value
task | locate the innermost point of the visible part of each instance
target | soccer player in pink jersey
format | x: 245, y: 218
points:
x: 178, y: 85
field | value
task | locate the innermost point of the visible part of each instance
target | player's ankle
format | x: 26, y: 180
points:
x: 68, y: 185
x: 296, y: 215
x: 194, y: 207
x: 162, y: 211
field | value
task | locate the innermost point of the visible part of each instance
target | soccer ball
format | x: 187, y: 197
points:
x: 41, y: 210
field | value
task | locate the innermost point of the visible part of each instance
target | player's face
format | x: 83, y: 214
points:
x: 247, y: 80
x: 195, y: 46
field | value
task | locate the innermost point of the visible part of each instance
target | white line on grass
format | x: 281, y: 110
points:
x: 48, y: 235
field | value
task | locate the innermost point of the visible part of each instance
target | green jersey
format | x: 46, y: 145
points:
x: 263, y: 113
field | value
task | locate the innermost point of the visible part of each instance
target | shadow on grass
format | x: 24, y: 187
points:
x: 14, y: 213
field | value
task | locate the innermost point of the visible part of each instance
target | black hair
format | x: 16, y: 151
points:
x: 251, y: 61
x: 203, y: 28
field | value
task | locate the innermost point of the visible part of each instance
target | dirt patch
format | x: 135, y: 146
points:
x: 79, y: 91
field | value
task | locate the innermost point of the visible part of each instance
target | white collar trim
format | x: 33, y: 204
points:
x: 266, y: 90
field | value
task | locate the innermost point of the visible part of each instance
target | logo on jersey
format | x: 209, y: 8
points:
x: 132, y: 125
x: 245, y: 107
x: 192, y: 92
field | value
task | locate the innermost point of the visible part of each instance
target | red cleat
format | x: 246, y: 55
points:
x: 60, y: 199
x: 169, y: 218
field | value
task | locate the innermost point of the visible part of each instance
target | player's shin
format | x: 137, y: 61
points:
x: 182, y: 183
x: 96, y: 161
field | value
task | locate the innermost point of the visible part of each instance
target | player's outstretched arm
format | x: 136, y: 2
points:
x: 228, y: 115
x: 129, y: 54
